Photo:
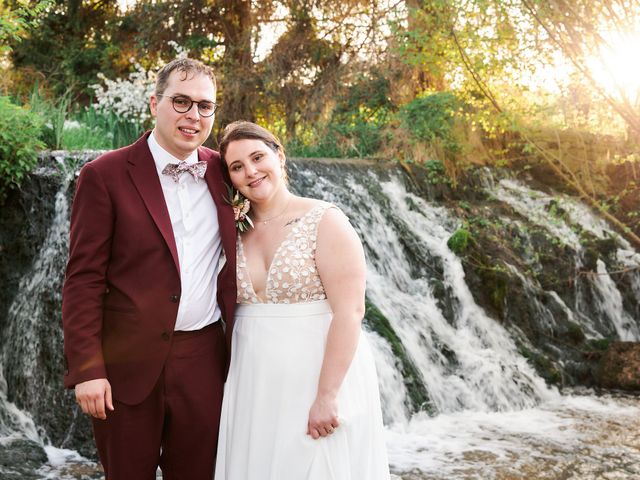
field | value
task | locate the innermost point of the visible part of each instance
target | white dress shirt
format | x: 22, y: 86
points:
x: 194, y: 220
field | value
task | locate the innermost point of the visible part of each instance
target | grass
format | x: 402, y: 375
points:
x: 83, y: 128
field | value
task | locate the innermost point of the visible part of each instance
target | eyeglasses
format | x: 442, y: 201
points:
x: 184, y: 104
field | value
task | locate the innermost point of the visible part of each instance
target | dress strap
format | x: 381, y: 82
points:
x: 315, y: 215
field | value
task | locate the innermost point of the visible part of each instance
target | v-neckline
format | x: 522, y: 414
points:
x: 243, y: 257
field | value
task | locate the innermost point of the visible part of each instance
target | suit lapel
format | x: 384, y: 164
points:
x: 142, y: 169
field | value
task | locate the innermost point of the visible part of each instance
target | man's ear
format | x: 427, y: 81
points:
x: 153, y: 104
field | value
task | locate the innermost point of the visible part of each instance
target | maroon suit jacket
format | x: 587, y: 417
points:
x: 122, y: 286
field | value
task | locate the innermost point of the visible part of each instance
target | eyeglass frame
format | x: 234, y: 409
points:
x: 173, y: 104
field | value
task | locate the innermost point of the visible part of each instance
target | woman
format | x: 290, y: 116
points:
x: 301, y: 399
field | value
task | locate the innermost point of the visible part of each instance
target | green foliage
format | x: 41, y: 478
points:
x: 436, y: 172
x: 88, y: 129
x: 82, y: 137
x: 431, y: 118
x: 459, y: 241
x: 108, y: 130
x: 598, y: 345
x: 53, y: 114
x: 73, y: 42
x: 16, y: 21
x: 356, y: 127
x: 19, y: 133
x: 543, y: 365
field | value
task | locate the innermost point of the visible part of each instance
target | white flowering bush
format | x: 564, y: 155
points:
x: 127, y: 98
x: 181, y: 52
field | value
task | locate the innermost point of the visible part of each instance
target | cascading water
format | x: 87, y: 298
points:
x: 456, y: 391
x: 466, y: 360
x: 31, y: 345
x: 542, y: 209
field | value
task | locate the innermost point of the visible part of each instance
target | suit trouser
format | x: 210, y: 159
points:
x: 176, y: 426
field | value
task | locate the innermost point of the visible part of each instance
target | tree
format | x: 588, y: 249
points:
x: 577, y: 28
x: 71, y: 45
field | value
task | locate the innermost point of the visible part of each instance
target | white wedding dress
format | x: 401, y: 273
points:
x: 277, y: 353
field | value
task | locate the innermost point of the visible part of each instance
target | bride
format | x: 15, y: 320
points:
x: 301, y: 400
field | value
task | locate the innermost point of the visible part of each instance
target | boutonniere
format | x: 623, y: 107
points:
x: 240, y: 207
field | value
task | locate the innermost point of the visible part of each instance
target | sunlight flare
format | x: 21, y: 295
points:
x: 616, y: 68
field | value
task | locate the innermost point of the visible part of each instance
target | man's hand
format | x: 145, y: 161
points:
x: 92, y: 396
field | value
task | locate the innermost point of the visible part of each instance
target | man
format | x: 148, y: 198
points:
x: 144, y: 292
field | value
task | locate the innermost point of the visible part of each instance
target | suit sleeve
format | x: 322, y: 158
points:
x: 92, y: 219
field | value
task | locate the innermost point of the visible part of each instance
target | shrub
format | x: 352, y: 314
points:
x: 436, y: 172
x: 431, y: 119
x: 128, y: 98
x: 19, y: 133
x: 459, y: 241
x: 357, y: 124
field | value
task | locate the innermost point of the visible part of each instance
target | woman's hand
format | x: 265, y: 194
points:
x: 323, y: 417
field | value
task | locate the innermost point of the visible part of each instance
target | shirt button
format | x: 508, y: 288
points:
x: 165, y: 336
x: 174, y: 298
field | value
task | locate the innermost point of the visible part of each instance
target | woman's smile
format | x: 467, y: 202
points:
x: 257, y: 183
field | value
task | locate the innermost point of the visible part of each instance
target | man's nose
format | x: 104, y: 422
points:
x: 193, y: 112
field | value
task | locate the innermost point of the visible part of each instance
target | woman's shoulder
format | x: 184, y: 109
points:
x: 303, y: 206
x: 319, y: 209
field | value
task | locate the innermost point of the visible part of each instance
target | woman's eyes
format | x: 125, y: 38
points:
x: 238, y: 166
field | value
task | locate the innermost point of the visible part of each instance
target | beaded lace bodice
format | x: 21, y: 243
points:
x: 292, y: 276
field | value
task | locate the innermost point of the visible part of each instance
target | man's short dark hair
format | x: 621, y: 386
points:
x: 188, y: 67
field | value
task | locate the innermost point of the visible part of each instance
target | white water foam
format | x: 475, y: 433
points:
x: 471, y: 444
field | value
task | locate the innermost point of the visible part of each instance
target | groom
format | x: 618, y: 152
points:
x: 145, y: 292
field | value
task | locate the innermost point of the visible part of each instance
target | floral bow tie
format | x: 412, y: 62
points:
x: 175, y: 170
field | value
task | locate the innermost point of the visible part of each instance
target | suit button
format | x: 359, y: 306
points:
x: 165, y: 336
x: 174, y: 298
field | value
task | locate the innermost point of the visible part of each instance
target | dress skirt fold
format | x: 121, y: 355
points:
x: 277, y: 354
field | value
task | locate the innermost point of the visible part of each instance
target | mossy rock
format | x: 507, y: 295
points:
x: 543, y: 365
x: 574, y: 333
x: 418, y: 396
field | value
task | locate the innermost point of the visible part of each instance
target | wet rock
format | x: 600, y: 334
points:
x: 418, y: 396
x: 33, y: 245
x: 19, y: 460
x: 619, y: 367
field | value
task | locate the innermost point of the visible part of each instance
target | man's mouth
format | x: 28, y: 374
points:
x: 188, y: 131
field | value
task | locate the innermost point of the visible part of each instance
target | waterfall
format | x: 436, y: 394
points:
x: 31, y: 346
x: 564, y: 219
x: 466, y: 360
x: 443, y: 359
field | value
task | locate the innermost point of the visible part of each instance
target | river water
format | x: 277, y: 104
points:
x: 579, y: 436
